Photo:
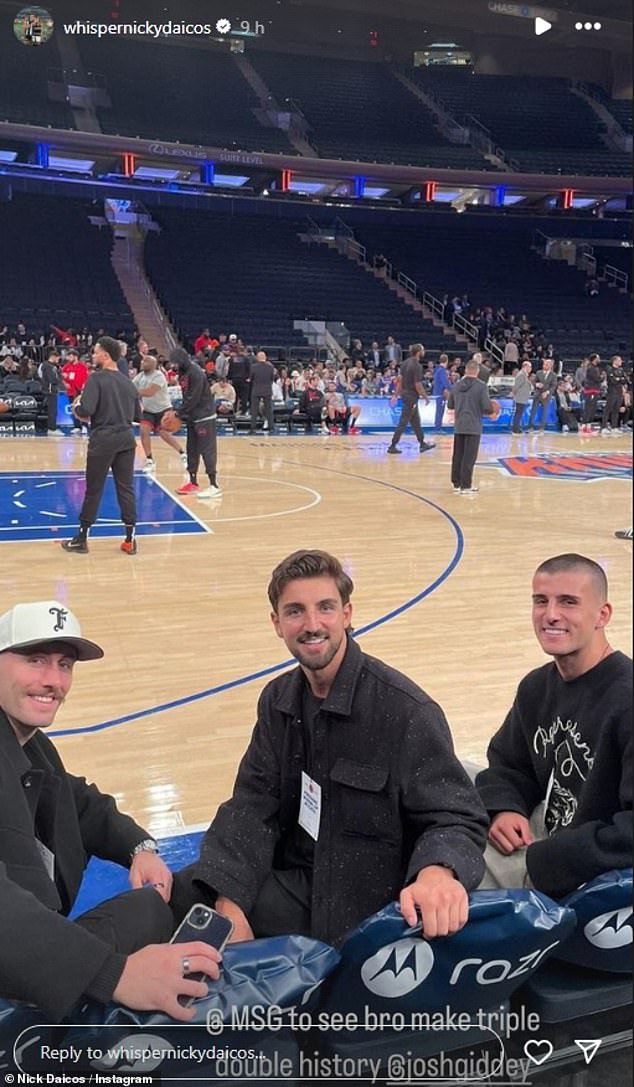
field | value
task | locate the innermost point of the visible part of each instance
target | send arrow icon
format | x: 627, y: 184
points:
x: 588, y: 1047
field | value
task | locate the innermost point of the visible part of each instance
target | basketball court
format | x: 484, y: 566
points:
x: 442, y: 587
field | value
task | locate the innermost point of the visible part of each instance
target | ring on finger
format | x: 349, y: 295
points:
x: 186, y: 965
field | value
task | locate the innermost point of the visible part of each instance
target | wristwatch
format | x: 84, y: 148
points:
x: 148, y: 845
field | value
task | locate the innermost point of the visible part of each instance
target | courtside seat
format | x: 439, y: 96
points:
x: 560, y: 992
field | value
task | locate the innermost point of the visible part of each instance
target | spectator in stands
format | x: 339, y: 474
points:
x: 374, y: 357
x: 344, y: 719
x: 380, y: 264
x: 202, y: 342
x: 278, y: 391
x: 224, y: 395
x: 484, y: 373
x: 521, y: 394
x: 261, y: 380
x: 565, y: 410
x: 67, y: 337
x: 592, y: 288
x: 11, y: 350
x: 357, y: 354
x: 8, y: 367
x: 544, y: 388
x: 369, y: 384
x: 312, y: 404
x: 410, y: 386
x: 74, y: 374
x: 580, y: 374
x: 338, y: 410
x: 51, y: 384
x: 616, y: 382
x: 19, y: 380
x: 441, y: 385
x: 591, y: 392
x: 625, y: 417
x: 559, y: 783
x: 511, y: 355
x: 238, y: 373
x: 299, y: 381
x: 354, y: 380
x: 124, y: 364
x: 392, y: 352
x: 485, y: 324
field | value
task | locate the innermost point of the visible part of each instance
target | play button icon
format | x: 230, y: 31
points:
x: 542, y: 25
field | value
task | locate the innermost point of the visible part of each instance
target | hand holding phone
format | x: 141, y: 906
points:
x: 202, y: 923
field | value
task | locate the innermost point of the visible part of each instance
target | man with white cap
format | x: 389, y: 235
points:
x: 51, y: 823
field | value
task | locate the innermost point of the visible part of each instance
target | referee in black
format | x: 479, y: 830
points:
x: 109, y: 401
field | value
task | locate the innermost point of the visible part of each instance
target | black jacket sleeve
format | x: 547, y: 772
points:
x: 237, y: 851
x: 509, y: 783
x: 54, y: 962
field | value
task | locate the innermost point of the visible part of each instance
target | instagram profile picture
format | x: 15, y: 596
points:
x: 33, y: 26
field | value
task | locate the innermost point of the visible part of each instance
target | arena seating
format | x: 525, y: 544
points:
x: 193, y: 96
x: 544, y: 126
x: 58, y: 271
x: 23, y: 86
x: 359, y: 110
x: 490, y: 258
x: 269, y: 279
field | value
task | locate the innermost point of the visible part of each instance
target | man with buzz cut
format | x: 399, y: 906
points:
x: 558, y: 787
x: 51, y: 823
x: 349, y: 794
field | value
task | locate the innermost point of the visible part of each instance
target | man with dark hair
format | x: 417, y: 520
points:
x: 591, y: 392
x: 559, y: 783
x: 410, y: 387
x: 312, y: 404
x: 49, y: 375
x: 51, y: 823
x: 349, y: 794
x: 109, y: 400
x: 617, y: 383
x: 199, y: 412
x: 441, y: 388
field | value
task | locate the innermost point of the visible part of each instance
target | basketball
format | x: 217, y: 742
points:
x: 171, y: 422
x: 496, y: 409
x: 4, y: 407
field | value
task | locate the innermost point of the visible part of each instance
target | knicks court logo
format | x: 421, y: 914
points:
x: 610, y: 930
x: 398, y: 968
x: 580, y: 466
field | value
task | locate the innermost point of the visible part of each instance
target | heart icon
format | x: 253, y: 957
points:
x: 538, y: 1052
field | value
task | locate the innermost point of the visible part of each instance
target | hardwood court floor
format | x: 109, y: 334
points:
x: 442, y: 580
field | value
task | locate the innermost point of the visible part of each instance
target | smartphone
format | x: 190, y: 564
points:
x: 202, y: 923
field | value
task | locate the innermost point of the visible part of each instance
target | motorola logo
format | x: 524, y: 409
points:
x: 398, y: 968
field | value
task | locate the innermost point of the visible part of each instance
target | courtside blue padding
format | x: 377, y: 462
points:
x: 603, y: 937
x: 104, y: 879
x: 387, y: 967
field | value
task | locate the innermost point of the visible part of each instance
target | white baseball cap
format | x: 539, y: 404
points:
x: 44, y: 621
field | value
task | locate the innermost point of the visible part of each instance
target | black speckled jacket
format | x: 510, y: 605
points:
x: 394, y: 796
